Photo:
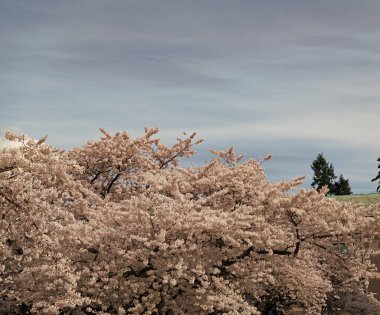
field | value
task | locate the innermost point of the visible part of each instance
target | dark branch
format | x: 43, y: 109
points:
x: 298, y: 243
x: 275, y: 252
x: 249, y: 250
x: 95, y: 177
x: 109, y: 186
x: 142, y: 273
x: 10, y: 200
x: 7, y: 168
x: 173, y: 157
x: 295, y: 221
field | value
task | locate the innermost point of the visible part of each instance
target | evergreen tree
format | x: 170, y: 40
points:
x: 323, y: 174
x: 341, y: 187
x: 377, y: 177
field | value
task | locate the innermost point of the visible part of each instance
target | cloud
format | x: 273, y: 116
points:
x: 6, y: 144
x: 270, y: 74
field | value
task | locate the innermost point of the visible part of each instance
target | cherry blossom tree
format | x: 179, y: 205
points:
x: 117, y: 226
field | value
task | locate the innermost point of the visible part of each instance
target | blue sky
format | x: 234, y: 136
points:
x: 289, y: 77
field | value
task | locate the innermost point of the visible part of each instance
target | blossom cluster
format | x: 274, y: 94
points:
x: 118, y: 226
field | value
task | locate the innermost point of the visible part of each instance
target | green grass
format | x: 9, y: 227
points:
x: 366, y: 199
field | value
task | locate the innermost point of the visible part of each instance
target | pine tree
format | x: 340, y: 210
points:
x: 377, y: 177
x: 323, y: 174
x: 341, y: 187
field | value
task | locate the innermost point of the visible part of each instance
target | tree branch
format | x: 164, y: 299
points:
x: 95, y: 177
x: 249, y: 250
x: 173, y: 157
x: 298, y: 243
x: 109, y: 186
x: 10, y: 200
x: 7, y: 168
x: 142, y: 273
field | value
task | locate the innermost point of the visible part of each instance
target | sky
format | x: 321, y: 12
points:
x: 291, y: 78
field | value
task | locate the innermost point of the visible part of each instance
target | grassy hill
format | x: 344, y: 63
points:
x: 367, y: 199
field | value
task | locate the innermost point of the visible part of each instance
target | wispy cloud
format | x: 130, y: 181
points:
x: 296, y: 76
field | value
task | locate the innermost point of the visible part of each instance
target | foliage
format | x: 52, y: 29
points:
x: 324, y: 174
x: 377, y: 177
x: 117, y: 226
x: 342, y: 187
